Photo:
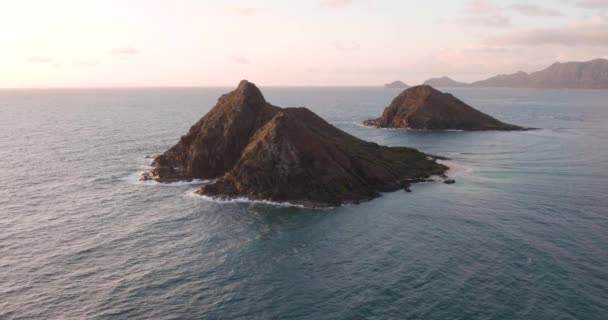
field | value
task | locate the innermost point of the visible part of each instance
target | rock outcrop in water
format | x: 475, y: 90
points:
x: 396, y: 85
x: 256, y: 150
x: 425, y: 108
x: 444, y: 82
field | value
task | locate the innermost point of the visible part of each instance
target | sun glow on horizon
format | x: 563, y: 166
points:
x: 69, y: 43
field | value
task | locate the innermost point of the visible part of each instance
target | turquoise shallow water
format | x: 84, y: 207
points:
x: 523, y: 234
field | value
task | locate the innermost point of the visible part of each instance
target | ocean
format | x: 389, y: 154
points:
x: 523, y: 234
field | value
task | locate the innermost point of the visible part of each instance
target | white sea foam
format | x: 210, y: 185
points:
x: 456, y: 168
x: 360, y: 124
x: 192, y: 194
x: 135, y: 178
x: 145, y: 166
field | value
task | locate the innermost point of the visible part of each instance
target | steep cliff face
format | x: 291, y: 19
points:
x: 425, y: 108
x: 584, y: 75
x: 215, y: 143
x: 263, y: 152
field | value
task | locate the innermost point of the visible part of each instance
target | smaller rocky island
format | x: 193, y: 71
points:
x: 250, y: 148
x: 396, y: 85
x: 425, y: 108
x: 445, y: 82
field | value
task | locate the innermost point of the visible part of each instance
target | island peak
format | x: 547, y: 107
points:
x: 250, y: 93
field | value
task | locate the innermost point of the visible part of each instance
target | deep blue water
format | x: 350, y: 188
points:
x: 523, y: 234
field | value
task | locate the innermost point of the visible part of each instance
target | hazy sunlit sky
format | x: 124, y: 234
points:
x: 77, y: 43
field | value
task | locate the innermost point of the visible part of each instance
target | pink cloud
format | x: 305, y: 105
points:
x: 493, y: 20
x: 481, y: 6
x: 240, y: 60
x: 484, y: 13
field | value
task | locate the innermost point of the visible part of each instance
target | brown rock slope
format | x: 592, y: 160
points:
x: 263, y: 152
x: 424, y: 108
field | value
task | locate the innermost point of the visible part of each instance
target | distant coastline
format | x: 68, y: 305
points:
x: 591, y: 74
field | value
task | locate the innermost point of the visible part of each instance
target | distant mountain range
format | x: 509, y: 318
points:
x: 569, y: 75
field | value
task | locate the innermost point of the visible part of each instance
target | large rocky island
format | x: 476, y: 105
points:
x: 425, y: 108
x: 259, y: 151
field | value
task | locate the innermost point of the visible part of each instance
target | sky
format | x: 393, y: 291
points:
x: 140, y: 43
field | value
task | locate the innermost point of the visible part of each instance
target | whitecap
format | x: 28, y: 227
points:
x: 192, y: 194
x: 135, y: 178
x: 456, y: 168
x: 246, y: 200
x: 360, y: 124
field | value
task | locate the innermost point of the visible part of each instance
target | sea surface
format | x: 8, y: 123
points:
x: 523, y: 234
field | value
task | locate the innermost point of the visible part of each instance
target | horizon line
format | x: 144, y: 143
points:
x: 191, y: 86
